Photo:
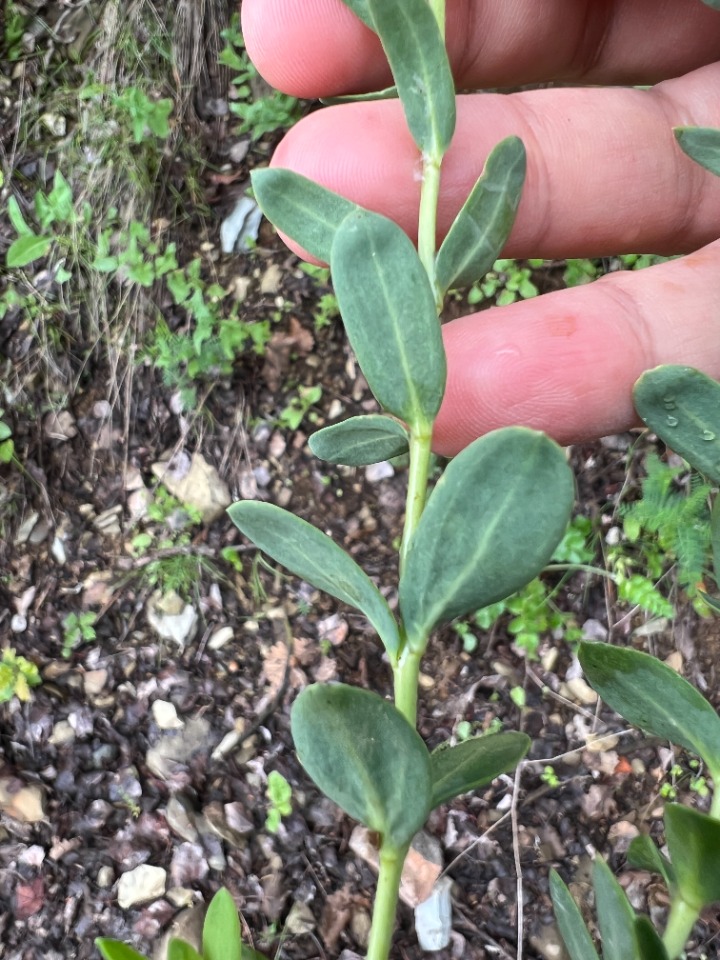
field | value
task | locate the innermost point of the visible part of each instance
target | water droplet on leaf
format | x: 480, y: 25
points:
x: 672, y: 421
x: 669, y: 403
x: 708, y: 435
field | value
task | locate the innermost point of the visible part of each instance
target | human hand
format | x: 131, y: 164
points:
x: 605, y: 176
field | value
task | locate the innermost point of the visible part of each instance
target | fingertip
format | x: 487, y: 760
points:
x: 312, y: 49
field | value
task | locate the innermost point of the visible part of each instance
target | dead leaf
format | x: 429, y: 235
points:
x: 29, y: 898
x: 336, y: 916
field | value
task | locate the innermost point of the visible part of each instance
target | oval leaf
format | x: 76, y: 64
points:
x: 701, y: 144
x: 360, y: 441
x: 180, y: 950
x: 655, y: 698
x: 416, y: 51
x: 386, y: 301
x: 490, y: 526
x: 26, y: 249
x: 648, y: 942
x: 643, y: 854
x: 305, y: 211
x: 473, y: 763
x: 569, y: 919
x: 366, y: 757
x: 221, y: 930
x: 693, y: 841
x: 478, y: 234
x: 115, y: 950
x: 682, y: 406
x: 313, y: 556
x: 616, y: 918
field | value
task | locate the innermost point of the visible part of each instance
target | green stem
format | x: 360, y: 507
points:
x: 427, y: 224
x: 386, y: 898
x: 679, y: 927
x: 406, y: 684
x: 418, y: 470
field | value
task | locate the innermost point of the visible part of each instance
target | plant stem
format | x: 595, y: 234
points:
x: 386, y: 898
x: 679, y: 927
x: 427, y: 224
x: 715, y: 804
x: 406, y: 684
x: 420, y: 453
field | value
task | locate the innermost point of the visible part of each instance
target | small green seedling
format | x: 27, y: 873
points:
x: 78, y: 628
x: 7, y: 444
x: 221, y: 938
x: 17, y: 676
x: 279, y: 793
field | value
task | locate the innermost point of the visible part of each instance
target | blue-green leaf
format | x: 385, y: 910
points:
x: 701, y: 144
x: 362, y: 752
x: 569, y: 919
x: 652, y: 696
x: 310, y: 554
x: 490, y: 526
x: 693, y: 840
x: 360, y: 441
x: 682, y: 406
x: 221, y: 930
x: 643, y: 854
x: 616, y: 917
x: 648, y: 942
x: 361, y: 9
x: 458, y: 769
x: 416, y: 50
x: 390, y: 317
x: 305, y: 211
x: 478, y: 233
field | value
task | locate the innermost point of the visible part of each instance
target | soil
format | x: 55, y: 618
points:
x: 90, y: 788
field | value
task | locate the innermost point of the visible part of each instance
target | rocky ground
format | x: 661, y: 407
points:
x: 133, y: 782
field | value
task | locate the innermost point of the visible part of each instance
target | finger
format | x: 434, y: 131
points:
x: 604, y: 172
x: 566, y: 362
x: 314, y: 48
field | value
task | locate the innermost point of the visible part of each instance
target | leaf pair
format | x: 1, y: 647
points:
x: 365, y: 756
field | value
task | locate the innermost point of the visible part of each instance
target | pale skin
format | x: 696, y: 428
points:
x: 605, y: 176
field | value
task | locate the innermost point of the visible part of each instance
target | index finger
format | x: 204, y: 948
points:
x: 314, y: 48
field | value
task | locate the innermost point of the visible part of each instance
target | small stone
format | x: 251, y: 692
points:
x: 165, y: 715
x: 360, y: 924
x: 180, y: 820
x: 675, y: 661
x: 196, y: 483
x: 180, y: 896
x: 220, y: 637
x: 186, y: 927
x: 171, y: 618
x: 60, y: 425
x: 32, y: 856
x: 425, y: 681
x: 581, y: 691
x: 188, y: 864
x: 141, y: 885
x: 433, y: 917
x: 105, y: 877
x: 108, y: 522
x: 58, y: 552
x: 18, y: 624
x: 271, y: 280
x: 549, y: 659
x: 26, y: 528
x: 300, y: 920
x: 62, y: 734
x: 94, y: 681
x: 594, y: 630
x: 379, y: 471
x: 24, y: 804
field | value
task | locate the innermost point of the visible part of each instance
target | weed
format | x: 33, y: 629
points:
x: 259, y: 115
x: 549, y: 777
x: 78, y: 628
x: 507, y: 282
x: 7, y: 444
x: 298, y: 407
x: 17, y: 676
x: 279, y: 793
